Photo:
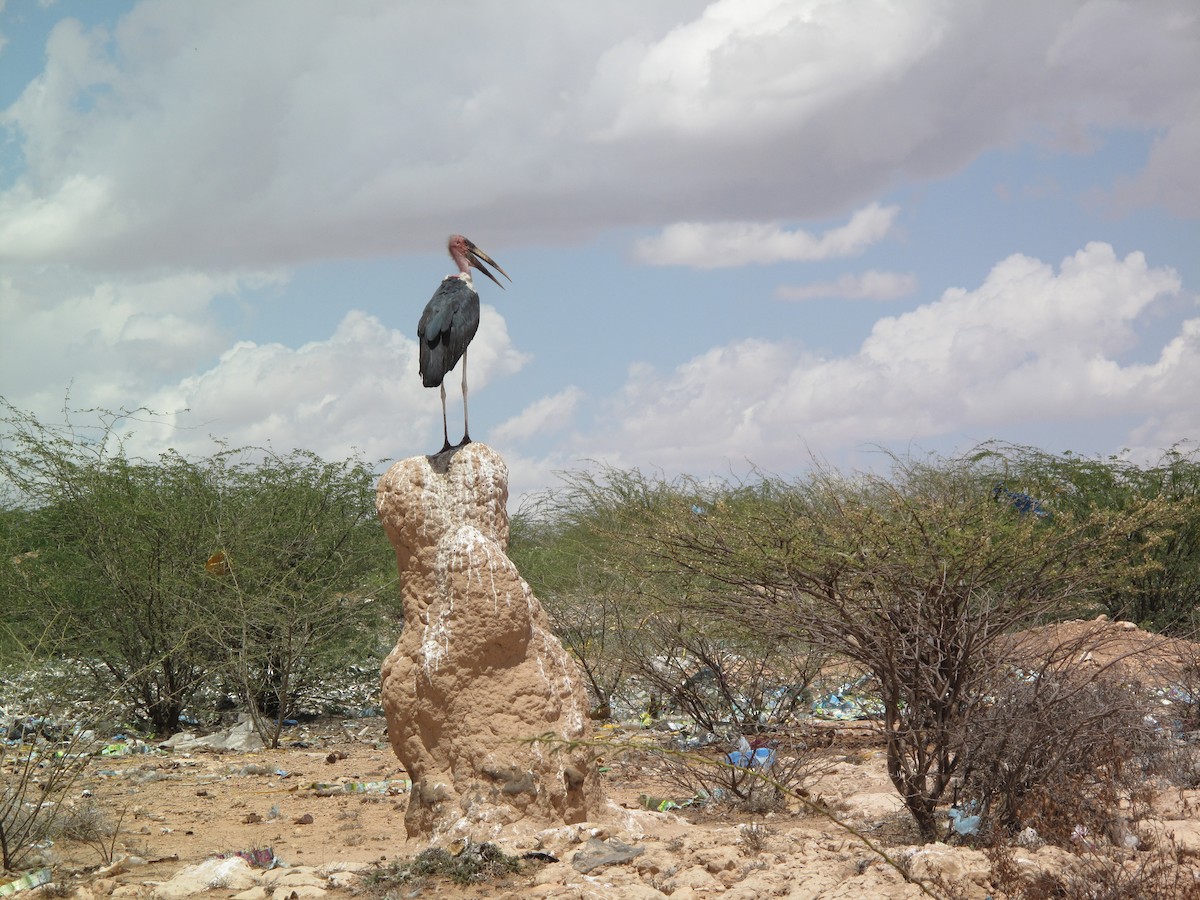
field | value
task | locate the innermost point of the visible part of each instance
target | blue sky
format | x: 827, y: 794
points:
x: 744, y: 232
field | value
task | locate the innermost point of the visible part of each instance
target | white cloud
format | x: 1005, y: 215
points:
x: 869, y: 285
x: 1030, y: 345
x: 547, y: 415
x: 356, y: 389
x: 724, y: 244
x: 114, y: 338
x: 769, y: 62
x: 159, y: 342
x: 272, y: 132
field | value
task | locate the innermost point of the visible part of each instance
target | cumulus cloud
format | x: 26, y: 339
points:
x: 544, y: 416
x: 117, y: 337
x: 357, y: 389
x: 261, y: 133
x: 1029, y: 345
x: 160, y: 342
x: 869, y: 285
x: 725, y: 244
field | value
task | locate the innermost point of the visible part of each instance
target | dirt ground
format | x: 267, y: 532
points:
x: 329, y: 808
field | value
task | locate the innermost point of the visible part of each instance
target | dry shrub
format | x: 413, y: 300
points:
x: 705, y: 775
x: 1104, y: 873
x: 1058, y: 746
x: 728, y: 680
x: 725, y: 683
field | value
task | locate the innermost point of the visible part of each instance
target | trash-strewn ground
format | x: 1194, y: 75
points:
x: 313, y: 819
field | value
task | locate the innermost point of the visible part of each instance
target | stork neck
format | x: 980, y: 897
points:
x: 460, y: 260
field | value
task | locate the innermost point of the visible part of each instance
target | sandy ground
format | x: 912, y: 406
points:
x: 329, y: 807
x: 338, y: 803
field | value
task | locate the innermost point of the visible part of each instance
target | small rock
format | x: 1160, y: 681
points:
x: 717, y: 859
x: 597, y: 853
x: 305, y: 819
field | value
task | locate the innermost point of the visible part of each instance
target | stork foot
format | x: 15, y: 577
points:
x: 466, y: 440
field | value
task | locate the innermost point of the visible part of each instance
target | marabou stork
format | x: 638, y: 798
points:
x: 450, y: 321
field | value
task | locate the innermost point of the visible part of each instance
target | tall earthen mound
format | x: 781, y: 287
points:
x: 476, y: 672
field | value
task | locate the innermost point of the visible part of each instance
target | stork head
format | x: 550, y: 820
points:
x: 466, y: 254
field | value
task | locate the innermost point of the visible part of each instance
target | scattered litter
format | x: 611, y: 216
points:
x: 661, y: 804
x: 964, y: 825
x: 847, y: 703
x: 124, y: 864
x: 123, y: 746
x: 1020, y: 501
x: 26, y: 882
x: 665, y: 804
x: 395, y: 786
x: 241, y: 737
x: 745, y: 757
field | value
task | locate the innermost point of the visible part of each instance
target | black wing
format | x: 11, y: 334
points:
x: 447, y: 326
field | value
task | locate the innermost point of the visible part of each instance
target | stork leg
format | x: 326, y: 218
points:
x: 445, y: 427
x: 466, y: 431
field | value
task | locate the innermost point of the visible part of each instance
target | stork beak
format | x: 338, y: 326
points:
x: 478, y: 258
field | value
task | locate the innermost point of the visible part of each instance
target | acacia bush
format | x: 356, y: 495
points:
x: 1164, y: 596
x: 728, y: 681
x: 44, y: 746
x: 916, y: 576
x: 167, y: 576
x: 569, y: 545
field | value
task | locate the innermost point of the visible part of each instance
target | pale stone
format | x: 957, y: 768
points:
x: 697, y: 878
x: 232, y: 874
x: 339, y: 880
x: 476, y: 673
x: 955, y: 864
x: 717, y: 859
x: 637, y: 891
x: 294, y: 878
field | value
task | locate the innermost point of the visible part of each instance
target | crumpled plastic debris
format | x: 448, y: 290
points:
x: 665, y: 804
x: 964, y: 825
x: 746, y: 757
x: 1020, y: 501
x: 26, y: 882
x: 395, y: 786
x: 125, y: 746
x: 847, y: 703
